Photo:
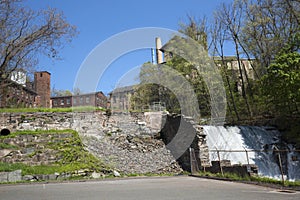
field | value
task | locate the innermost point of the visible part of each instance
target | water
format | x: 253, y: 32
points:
x: 259, y: 142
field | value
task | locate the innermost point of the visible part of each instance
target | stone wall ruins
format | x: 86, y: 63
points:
x: 136, y: 143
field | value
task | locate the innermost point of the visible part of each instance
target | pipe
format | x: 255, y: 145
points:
x: 4, y: 132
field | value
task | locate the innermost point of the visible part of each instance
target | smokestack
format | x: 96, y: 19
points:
x: 159, y: 57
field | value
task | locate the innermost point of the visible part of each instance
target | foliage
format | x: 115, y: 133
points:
x: 266, y: 34
x: 195, y: 29
x: 7, y: 146
x: 179, y: 79
x: 282, y: 84
x: 153, y: 88
x: 59, y: 93
x: 268, y: 27
x: 37, y: 132
x: 191, y: 73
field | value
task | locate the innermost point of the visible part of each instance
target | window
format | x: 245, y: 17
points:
x: 74, y: 101
x: 87, y: 100
x: 62, y: 102
x: 81, y: 100
x: 68, y: 101
x: 55, y: 102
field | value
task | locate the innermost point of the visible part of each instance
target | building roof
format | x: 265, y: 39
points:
x: 123, y: 89
x: 43, y: 72
x: 27, y: 89
x: 78, y: 95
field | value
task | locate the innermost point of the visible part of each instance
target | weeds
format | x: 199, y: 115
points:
x: 70, y: 152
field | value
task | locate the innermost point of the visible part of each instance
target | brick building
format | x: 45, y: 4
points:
x: 16, y: 95
x: 96, y: 99
x: 19, y: 92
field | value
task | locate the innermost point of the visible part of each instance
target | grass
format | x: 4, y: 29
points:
x: 259, y: 179
x: 36, y: 132
x: 71, y: 109
x: 274, y: 181
x: 7, y: 146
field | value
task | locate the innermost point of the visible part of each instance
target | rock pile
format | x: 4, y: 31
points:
x: 129, y: 146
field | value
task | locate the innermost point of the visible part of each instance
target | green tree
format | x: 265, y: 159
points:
x: 59, y: 93
x: 195, y: 29
x: 152, y: 90
x: 282, y: 84
x: 258, y: 30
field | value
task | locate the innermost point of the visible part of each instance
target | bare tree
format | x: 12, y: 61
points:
x: 219, y: 35
x: 24, y: 34
x: 195, y: 29
x: 268, y: 26
x: 231, y: 16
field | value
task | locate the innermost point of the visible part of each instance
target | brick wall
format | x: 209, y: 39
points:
x: 42, y: 88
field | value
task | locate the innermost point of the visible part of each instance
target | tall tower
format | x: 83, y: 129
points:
x: 159, y: 55
x: 42, y: 88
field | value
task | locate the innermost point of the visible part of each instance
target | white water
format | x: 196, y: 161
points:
x: 241, y: 138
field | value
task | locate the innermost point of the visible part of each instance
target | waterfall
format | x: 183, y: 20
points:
x: 294, y: 164
x: 259, y: 143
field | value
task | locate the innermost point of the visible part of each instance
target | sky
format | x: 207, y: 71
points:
x: 99, y: 22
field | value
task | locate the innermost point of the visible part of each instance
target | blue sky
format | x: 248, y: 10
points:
x: 99, y: 20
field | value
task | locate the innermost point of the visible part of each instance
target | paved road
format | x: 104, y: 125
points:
x: 167, y: 188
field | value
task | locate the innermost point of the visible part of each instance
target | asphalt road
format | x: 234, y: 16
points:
x: 162, y: 188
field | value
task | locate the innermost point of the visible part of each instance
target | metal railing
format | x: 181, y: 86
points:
x: 246, y: 151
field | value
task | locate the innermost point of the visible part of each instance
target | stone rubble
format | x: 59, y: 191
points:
x: 122, y: 141
x: 129, y: 146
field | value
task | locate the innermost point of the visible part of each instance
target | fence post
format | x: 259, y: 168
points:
x: 221, y: 169
x: 247, y: 156
x: 280, y: 165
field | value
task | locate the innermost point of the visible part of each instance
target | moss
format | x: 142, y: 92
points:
x: 8, y: 146
x: 70, y: 153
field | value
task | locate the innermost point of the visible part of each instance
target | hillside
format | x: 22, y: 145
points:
x: 43, y: 155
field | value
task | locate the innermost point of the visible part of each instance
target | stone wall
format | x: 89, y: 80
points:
x: 32, y: 149
x: 131, y: 143
x: 14, y: 176
x: 122, y: 141
x: 134, y: 143
x: 36, y: 121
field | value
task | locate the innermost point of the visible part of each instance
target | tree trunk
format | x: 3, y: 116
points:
x: 242, y: 79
